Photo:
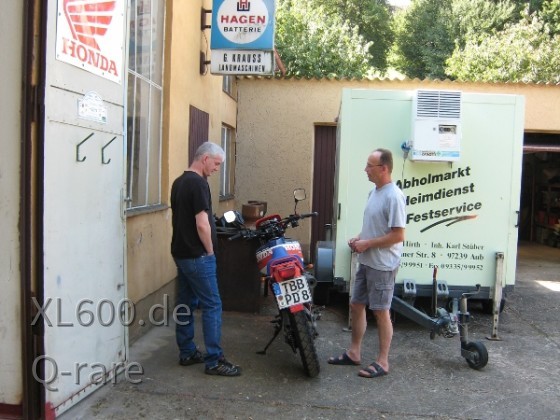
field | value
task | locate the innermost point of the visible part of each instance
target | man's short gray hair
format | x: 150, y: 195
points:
x: 210, y: 149
x: 385, y: 158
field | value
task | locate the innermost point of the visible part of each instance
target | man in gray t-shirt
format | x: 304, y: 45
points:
x: 379, y: 246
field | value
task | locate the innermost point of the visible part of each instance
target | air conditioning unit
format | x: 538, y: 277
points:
x: 436, y: 126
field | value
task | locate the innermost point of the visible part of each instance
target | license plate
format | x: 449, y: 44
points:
x: 292, y: 292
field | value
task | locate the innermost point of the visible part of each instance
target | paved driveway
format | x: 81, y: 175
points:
x: 428, y: 379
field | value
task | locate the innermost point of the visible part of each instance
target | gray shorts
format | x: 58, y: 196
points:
x: 374, y: 288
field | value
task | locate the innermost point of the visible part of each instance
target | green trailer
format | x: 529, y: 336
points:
x: 457, y: 158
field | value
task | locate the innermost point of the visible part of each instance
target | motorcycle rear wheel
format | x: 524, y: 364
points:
x: 303, y: 331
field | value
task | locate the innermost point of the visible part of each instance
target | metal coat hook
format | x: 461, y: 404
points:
x: 103, y: 161
x: 78, y: 159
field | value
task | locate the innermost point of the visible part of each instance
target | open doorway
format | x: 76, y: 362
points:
x: 540, y: 190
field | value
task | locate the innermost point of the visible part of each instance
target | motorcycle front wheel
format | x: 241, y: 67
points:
x: 303, y: 331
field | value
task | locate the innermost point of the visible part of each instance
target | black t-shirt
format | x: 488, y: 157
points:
x: 190, y: 194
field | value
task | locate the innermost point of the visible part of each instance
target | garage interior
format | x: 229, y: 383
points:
x: 540, y: 190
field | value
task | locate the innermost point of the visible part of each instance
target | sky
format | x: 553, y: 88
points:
x: 399, y: 2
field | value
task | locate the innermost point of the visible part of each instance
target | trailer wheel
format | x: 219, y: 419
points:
x: 479, y: 355
x: 488, y: 306
x: 321, y: 294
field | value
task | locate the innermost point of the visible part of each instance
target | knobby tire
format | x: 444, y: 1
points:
x: 303, y: 332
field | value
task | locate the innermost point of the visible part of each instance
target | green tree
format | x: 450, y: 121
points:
x: 473, y: 18
x: 429, y: 32
x: 314, y: 43
x: 550, y: 15
x: 422, y: 39
x: 526, y: 51
x: 373, y: 19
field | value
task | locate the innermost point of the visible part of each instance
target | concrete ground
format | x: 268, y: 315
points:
x: 428, y: 378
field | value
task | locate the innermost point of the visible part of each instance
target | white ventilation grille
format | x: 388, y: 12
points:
x: 436, y: 126
x: 438, y: 104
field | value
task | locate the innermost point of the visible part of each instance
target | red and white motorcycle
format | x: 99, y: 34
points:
x: 281, y: 260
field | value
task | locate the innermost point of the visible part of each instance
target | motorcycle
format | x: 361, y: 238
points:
x: 280, y: 260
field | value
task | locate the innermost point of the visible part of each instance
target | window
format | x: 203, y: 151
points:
x: 144, y: 102
x: 228, y: 166
x: 199, y: 123
x: 227, y: 84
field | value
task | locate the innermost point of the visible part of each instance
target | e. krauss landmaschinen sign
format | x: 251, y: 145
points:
x: 90, y: 34
x: 242, y: 37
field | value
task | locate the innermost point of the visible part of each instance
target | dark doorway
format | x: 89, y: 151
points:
x: 323, y: 183
x: 540, y: 189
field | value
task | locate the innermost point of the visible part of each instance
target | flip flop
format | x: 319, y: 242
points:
x: 343, y: 359
x: 379, y: 371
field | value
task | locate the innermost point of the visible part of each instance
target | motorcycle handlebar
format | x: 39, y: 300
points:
x: 237, y: 235
x: 262, y: 231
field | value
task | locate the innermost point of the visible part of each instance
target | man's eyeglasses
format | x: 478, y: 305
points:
x: 371, y: 166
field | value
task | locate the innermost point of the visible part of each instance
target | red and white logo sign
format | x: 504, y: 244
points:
x: 242, y: 21
x: 243, y: 5
x: 90, y: 35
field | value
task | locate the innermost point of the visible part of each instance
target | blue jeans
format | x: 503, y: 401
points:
x: 198, y: 287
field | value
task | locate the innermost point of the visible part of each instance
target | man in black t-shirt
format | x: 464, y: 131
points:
x: 192, y: 247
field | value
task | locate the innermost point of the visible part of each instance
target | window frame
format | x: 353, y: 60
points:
x: 153, y: 178
x: 229, y: 85
x: 227, y: 169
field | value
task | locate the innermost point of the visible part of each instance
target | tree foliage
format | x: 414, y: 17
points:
x: 314, y: 43
x: 373, y: 20
x: 550, y: 15
x: 486, y: 40
x: 427, y: 33
x: 526, y: 51
x: 422, y: 40
x: 474, y: 18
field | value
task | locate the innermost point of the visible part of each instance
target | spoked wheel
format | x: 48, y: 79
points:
x: 478, y: 355
x: 303, y: 331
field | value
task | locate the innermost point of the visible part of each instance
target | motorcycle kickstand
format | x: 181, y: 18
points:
x: 277, y: 330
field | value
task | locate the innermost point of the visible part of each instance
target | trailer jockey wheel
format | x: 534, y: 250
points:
x: 477, y: 356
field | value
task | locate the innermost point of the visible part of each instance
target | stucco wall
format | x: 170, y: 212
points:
x: 149, y: 263
x: 275, y: 130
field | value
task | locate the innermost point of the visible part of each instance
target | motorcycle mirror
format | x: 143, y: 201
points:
x: 230, y: 216
x: 299, y: 194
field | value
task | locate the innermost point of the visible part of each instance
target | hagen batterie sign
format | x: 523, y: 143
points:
x: 243, y: 24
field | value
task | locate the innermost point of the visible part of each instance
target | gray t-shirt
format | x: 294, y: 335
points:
x: 385, y: 209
